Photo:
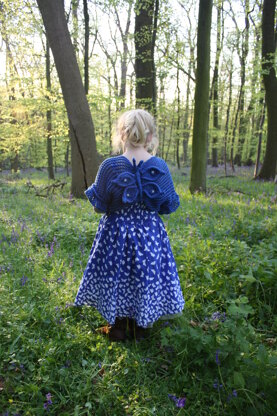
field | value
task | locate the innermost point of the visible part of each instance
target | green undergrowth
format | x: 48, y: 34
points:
x: 220, y: 355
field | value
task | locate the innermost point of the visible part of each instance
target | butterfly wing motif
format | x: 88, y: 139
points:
x: 149, y: 177
x: 127, y: 181
x: 140, y: 185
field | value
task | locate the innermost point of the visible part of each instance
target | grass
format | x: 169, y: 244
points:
x: 220, y: 355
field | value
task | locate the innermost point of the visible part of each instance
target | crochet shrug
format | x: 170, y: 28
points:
x: 120, y: 183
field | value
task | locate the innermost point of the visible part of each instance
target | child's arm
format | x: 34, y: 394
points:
x: 97, y: 193
x: 171, y: 201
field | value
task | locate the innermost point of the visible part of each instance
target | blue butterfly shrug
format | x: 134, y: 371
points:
x: 119, y: 183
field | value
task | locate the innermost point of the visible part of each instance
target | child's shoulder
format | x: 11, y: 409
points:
x: 109, y: 163
x: 158, y: 161
x: 121, y: 161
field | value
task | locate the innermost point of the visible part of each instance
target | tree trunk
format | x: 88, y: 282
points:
x: 162, y: 123
x: 228, y: 116
x: 170, y: 138
x: 260, y: 135
x: 187, y: 123
x: 49, y: 116
x: 67, y: 159
x: 178, y: 115
x: 201, y: 107
x: 15, y: 162
x: 154, y: 36
x: 82, y: 136
x: 110, y: 112
x: 144, y: 54
x: 86, y: 55
x: 268, y: 170
x: 243, y: 58
x: 232, y: 161
x: 124, y: 62
x: 75, y: 34
x: 255, y: 107
x: 215, y: 87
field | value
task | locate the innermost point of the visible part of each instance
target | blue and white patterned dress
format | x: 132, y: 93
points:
x: 131, y: 270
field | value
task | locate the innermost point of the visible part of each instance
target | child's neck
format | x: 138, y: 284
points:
x: 138, y: 153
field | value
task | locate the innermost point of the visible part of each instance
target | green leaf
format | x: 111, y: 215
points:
x: 239, y: 379
x: 249, y: 278
x: 240, y: 310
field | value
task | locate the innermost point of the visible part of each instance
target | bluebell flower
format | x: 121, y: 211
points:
x: 49, y: 397
x: 23, y: 280
x: 217, y: 385
x: 49, y: 401
x: 51, y: 251
x: 218, y: 316
x: 172, y: 397
x: 180, y: 402
x: 217, y: 357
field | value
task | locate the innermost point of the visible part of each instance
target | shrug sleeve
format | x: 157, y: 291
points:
x: 97, y: 193
x: 171, y: 199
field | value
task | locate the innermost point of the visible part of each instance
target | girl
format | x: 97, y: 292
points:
x: 131, y: 276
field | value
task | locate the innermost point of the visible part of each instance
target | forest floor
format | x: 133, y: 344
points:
x: 218, y: 358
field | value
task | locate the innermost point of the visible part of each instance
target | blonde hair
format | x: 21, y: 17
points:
x: 135, y: 127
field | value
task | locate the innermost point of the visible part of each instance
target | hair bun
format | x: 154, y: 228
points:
x: 134, y: 127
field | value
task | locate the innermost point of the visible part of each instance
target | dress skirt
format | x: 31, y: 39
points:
x: 131, y: 271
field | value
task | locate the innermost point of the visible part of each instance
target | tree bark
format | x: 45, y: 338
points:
x: 259, y: 133
x: 75, y: 34
x: 268, y: 170
x: 154, y: 36
x: 243, y: 58
x: 124, y: 57
x: 144, y: 55
x: 178, y: 115
x: 215, y: 87
x: 86, y: 55
x: 49, y: 116
x: 82, y: 136
x: 228, y: 115
x: 201, y: 108
x: 187, y: 123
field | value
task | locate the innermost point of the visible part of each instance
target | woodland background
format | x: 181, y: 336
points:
x: 218, y: 358
x: 34, y: 129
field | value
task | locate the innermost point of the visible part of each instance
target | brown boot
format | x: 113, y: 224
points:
x: 118, y: 331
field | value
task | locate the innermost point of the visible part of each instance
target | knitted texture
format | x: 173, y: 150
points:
x: 120, y: 183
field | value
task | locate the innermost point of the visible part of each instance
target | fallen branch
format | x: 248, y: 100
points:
x: 45, y: 191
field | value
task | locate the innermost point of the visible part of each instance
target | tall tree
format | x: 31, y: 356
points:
x: 201, y: 107
x: 144, y: 53
x: 178, y: 111
x: 86, y: 46
x: 75, y: 34
x: 49, y: 114
x: 268, y: 170
x: 82, y: 136
x: 215, y: 85
x: 124, y: 55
